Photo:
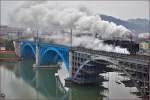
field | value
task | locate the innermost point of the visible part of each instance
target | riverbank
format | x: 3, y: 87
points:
x: 8, y: 56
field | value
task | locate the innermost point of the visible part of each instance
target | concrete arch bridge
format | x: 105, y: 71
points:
x: 47, y: 53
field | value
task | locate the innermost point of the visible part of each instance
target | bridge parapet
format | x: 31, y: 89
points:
x: 136, y: 58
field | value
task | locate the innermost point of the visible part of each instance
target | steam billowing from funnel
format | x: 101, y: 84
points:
x: 96, y: 44
x: 42, y: 16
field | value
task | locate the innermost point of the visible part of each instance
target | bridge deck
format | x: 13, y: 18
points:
x: 46, y: 44
x: 136, y: 58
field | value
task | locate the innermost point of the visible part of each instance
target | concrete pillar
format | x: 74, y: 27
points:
x: 70, y: 63
x: 37, y: 55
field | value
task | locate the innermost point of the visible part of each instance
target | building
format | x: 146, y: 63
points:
x: 4, y: 29
x: 10, y: 32
x: 7, y: 32
x: 144, y: 44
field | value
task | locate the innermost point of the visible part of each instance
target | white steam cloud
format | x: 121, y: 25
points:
x: 96, y: 44
x: 42, y: 16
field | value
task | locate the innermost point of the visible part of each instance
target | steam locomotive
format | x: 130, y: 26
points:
x: 131, y: 46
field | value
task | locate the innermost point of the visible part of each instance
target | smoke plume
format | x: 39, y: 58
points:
x: 46, y: 18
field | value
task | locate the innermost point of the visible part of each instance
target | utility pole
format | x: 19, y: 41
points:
x: 70, y: 56
x: 71, y: 36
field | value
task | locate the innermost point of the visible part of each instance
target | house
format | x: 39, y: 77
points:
x: 144, y: 46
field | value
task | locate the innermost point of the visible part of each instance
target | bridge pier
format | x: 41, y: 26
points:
x: 70, y: 63
x: 37, y: 55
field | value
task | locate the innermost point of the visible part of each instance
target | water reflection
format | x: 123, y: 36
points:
x: 43, y: 80
x: 90, y: 93
x: 16, y: 87
x: 20, y: 80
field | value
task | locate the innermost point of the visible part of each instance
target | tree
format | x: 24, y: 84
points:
x: 9, y: 45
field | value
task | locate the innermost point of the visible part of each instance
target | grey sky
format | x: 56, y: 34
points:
x: 120, y: 9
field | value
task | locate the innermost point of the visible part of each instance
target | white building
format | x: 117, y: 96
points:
x: 6, y: 30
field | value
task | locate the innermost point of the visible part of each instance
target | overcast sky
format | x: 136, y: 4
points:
x: 120, y: 9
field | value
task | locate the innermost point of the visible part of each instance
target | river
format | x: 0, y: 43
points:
x: 20, y: 81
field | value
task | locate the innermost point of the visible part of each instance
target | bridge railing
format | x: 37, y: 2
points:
x: 138, y: 58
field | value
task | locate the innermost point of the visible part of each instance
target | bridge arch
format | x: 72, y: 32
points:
x: 27, y: 50
x: 57, y: 53
x: 95, y: 59
x: 110, y: 61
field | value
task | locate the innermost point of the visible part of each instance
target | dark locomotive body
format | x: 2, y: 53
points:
x: 131, y: 46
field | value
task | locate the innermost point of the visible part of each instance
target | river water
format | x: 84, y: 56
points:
x: 20, y: 81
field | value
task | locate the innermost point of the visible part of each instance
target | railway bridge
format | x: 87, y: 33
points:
x: 85, y: 65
